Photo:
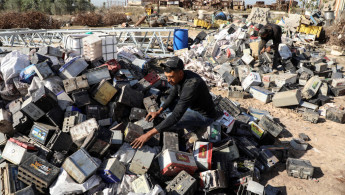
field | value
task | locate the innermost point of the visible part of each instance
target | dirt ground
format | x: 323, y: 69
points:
x: 325, y: 151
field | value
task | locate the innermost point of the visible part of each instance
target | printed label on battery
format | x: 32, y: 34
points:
x: 126, y: 131
x: 214, y: 133
x: 37, y: 133
x: 182, y: 157
x: 258, y: 132
x: 315, y: 84
x: 41, y: 168
x: 203, y: 151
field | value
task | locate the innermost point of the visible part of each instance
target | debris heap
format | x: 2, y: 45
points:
x: 67, y: 117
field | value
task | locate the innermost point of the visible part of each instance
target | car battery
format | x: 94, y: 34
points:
x: 336, y: 115
x: 150, y: 104
x: 14, y: 153
x: 132, y: 132
x: 3, y: 139
x: 95, y: 146
x: 81, y: 98
x: 226, y: 151
x: 281, y: 152
x: 6, y: 122
x: 71, y: 121
x: 112, y: 170
x: 43, y: 70
x: 311, y: 87
x: 55, y: 116
x: 42, y: 133
x: 311, y: 116
x: 80, y: 131
x: 105, y: 122
x: 44, y: 99
x: 269, y: 125
x: 261, y: 134
x: 29, y: 190
x: 75, y: 84
x: 24, y: 144
x: 253, y: 79
x: 213, y: 132
x: 80, y: 166
x: 113, y: 66
x: 142, y: 85
x: 118, y: 111
x: 213, y: 179
x: 338, y: 82
x: 146, y: 125
x: 96, y: 111
x: 60, y: 141
x: 268, y: 159
x: 141, y: 162
x: 172, y: 162
x: 137, y: 114
x: 170, y: 141
x: 31, y: 110
x: 261, y: 94
x: 152, y: 78
x: 154, y: 140
x: 287, y: 98
x: 182, y: 184
x: 226, y: 121
x: 227, y: 105
x: 131, y: 97
x: 141, y: 185
x: 320, y: 67
x: 52, y: 51
x: 283, y: 79
x: 338, y: 91
x: 247, y: 147
x: 304, y: 77
x: 15, y: 105
x: 73, y: 68
x: 103, y: 92
x: 64, y: 100
x: 38, y: 172
x: 9, y: 182
x: 42, y: 151
x: 21, y: 123
x: 117, y: 137
x: 96, y: 75
x: 299, y: 168
x: 202, y: 152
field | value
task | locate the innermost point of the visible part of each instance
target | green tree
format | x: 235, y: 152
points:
x: 28, y: 5
x: 13, y: 5
x: 45, y: 6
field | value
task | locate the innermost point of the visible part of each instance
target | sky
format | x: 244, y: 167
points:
x: 250, y: 2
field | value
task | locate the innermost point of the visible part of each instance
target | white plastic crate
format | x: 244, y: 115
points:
x: 109, y: 44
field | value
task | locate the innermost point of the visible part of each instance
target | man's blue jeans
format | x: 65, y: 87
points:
x: 192, y: 121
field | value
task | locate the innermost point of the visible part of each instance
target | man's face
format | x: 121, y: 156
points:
x: 174, y: 77
x: 263, y: 35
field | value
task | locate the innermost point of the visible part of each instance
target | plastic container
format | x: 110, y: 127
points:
x: 92, y: 47
x: 180, y: 39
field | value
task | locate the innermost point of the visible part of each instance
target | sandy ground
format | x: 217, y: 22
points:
x: 325, y: 152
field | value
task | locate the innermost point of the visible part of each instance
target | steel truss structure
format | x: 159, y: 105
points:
x: 152, y: 41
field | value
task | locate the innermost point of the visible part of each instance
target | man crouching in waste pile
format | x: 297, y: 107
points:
x: 194, y: 109
x: 268, y: 32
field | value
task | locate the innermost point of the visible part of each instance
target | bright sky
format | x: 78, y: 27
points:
x: 100, y: 2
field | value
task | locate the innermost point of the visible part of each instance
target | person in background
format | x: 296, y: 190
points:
x: 268, y: 32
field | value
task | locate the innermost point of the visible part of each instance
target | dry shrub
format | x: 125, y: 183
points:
x: 31, y: 19
x: 333, y: 32
x: 111, y: 18
x: 88, y: 19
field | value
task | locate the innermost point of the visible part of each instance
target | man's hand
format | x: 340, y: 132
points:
x: 268, y: 49
x: 262, y: 51
x: 139, y: 142
x: 152, y: 115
